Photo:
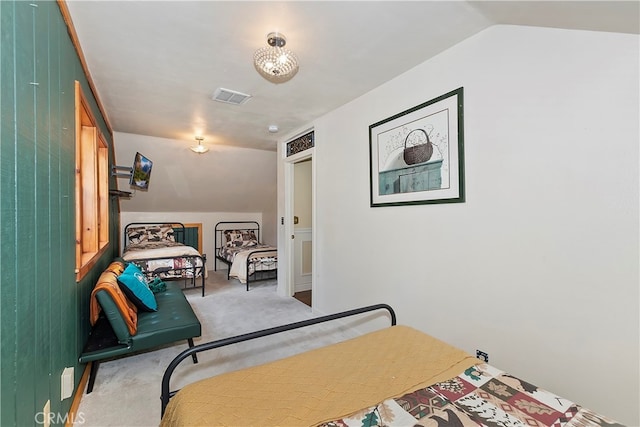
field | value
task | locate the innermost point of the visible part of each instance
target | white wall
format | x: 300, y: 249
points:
x: 226, y: 179
x: 208, y: 220
x: 539, y: 267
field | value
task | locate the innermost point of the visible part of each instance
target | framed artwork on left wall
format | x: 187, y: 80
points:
x: 417, y: 156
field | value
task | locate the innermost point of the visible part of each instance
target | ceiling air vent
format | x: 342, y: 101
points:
x: 230, y: 96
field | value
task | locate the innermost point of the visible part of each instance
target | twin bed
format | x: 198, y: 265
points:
x: 238, y: 245
x: 159, y: 249
x: 396, y: 376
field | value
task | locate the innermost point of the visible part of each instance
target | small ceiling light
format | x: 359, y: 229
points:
x: 200, y: 149
x: 273, y: 128
x: 275, y: 63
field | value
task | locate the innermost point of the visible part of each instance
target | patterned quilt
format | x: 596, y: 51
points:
x: 229, y: 252
x: 167, y: 260
x: 481, y: 396
x: 261, y: 261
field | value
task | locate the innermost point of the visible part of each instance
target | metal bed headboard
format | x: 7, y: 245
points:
x: 222, y: 226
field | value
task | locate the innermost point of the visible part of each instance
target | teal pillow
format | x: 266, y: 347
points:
x: 135, y: 287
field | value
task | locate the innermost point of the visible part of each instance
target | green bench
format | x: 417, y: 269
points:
x: 110, y: 337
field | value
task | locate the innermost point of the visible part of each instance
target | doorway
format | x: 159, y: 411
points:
x: 302, y: 203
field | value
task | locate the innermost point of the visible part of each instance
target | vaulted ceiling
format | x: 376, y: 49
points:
x: 156, y: 64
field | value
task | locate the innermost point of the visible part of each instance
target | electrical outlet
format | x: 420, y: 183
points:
x: 66, y: 383
x: 482, y: 356
x: 46, y: 414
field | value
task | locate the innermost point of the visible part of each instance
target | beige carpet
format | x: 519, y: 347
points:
x: 127, y: 390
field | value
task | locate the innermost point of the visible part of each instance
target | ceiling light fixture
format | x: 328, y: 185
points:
x: 200, y: 149
x: 275, y: 63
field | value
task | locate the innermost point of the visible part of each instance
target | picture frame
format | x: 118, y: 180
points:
x: 417, y: 156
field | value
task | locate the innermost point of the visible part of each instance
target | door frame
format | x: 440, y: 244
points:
x: 289, y: 229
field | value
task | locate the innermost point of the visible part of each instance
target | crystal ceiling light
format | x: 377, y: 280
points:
x: 200, y: 149
x: 275, y: 63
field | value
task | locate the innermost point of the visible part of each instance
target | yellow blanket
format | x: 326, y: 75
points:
x: 320, y: 385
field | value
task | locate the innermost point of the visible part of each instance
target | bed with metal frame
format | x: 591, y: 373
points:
x: 238, y: 246
x: 395, y: 376
x: 159, y: 249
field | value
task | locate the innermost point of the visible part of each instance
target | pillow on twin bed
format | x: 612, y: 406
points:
x: 232, y: 236
x: 161, y: 233
x: 136, y: 234
x: 134, y: 285
x: 151, y: 233
x: 240, y: 238
x: 248, y: 236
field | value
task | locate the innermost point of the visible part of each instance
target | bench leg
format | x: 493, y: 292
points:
x: 92, y: 375
x: 194, y: 356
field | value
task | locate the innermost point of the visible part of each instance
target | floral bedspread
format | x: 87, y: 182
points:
x: 481, y: 396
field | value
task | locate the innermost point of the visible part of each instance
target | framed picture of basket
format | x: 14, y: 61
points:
x: 417, y: 156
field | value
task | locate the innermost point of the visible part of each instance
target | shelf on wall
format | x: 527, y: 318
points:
x: 120, y: 193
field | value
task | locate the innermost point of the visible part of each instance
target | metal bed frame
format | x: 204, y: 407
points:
x: 179, y: 234
x: 256, y: 276
x: 167, y: 394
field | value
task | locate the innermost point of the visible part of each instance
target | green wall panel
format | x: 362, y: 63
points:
x: 190, y: 236
x: 25, y: 195
x: 68, y: 309
x: 43, y: 311
x: 8, y: 275
x: 56, y: 362
x: 43, y: 282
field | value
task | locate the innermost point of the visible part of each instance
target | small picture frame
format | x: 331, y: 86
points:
x: 417, y: 156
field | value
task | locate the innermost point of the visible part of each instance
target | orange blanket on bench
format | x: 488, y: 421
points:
x: 108, y: 281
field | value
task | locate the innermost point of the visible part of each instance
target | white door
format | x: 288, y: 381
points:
x: 302, y: 249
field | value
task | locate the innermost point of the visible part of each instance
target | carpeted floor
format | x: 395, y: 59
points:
x: 127, y: 390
